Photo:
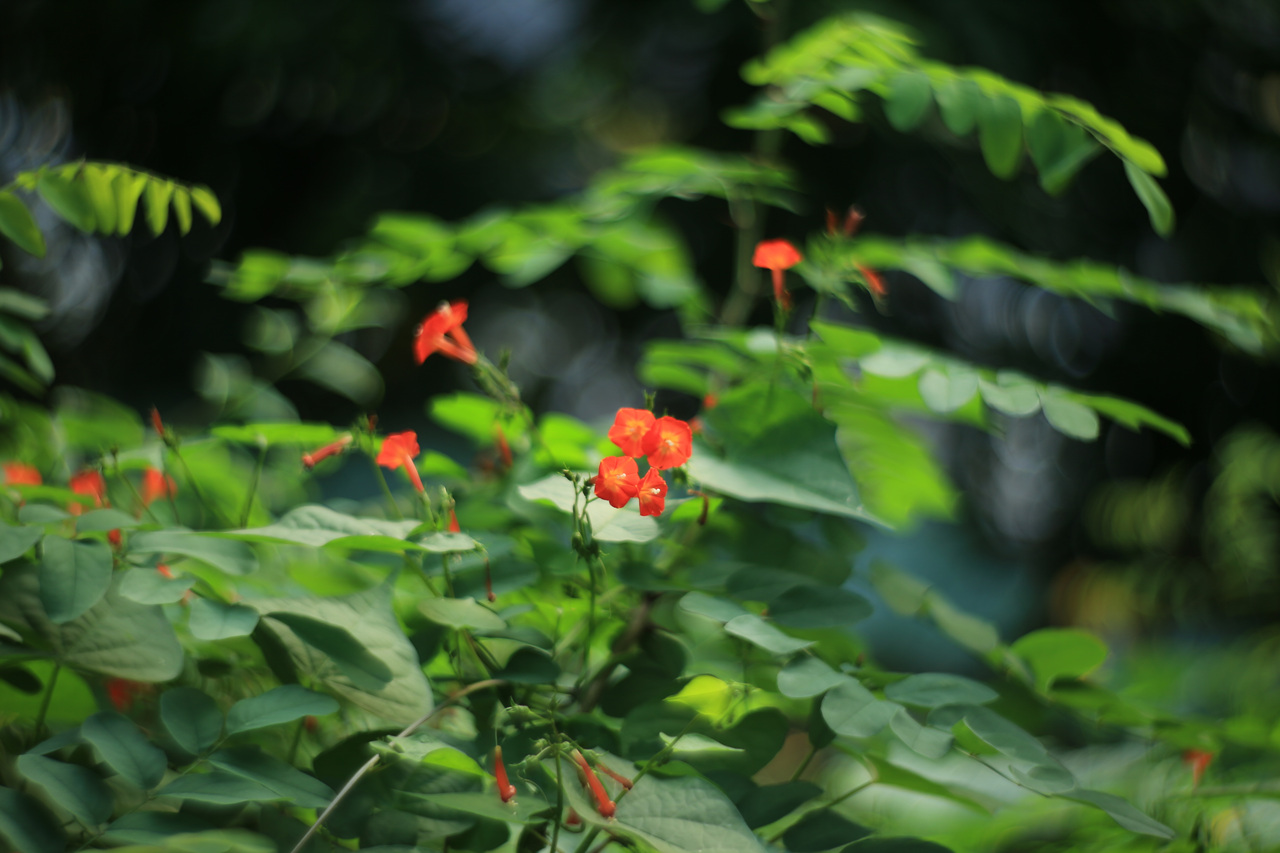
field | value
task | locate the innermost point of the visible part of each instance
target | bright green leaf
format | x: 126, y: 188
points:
x: 1055, y: 653
x: 213, y: 620
x: 1159, y: 210
x: 17, y: 223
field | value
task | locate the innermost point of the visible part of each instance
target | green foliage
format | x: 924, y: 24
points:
x: 239, y: 652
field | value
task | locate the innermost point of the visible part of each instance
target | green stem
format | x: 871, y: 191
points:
x: 44, y: 702
x: 555, y: 830
x: 195, y: 488
x: 368, y: 765
x: 386, y: 490
x: 253, y: 486
x: 804, y: 765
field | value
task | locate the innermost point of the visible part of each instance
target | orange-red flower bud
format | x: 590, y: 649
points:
x: 454, y: 526
x: 504, y: 449
x: 874, y: 282
x: 604, y: 805
x: 1198, y: 760
x: 506, y: 790
x: 310, y: 460
x: 156, y: 423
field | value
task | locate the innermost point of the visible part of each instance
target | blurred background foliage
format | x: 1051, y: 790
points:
x: 311, y: 121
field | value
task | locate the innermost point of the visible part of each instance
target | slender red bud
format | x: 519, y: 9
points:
x: 506, y: 790
x: 454, y: 527
x: 1198, y: 760
x: 164, y: 571
x: 156, y: 423
x: 831, y: 222
x: 874, y: 283
x: 604, y: 805
x: 504, y: 449
x: 488, y: 582
x: 617, y: 777
x: 852, y: 220
x: 310, y: 460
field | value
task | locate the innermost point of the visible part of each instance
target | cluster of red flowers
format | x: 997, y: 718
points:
x: 666, y: 442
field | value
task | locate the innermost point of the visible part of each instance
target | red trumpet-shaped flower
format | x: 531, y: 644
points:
x: 1198, y: 760
x: 618, y: 480
x: 874, y: 283
x: 630, y: 426
x: 777, y: 256
x: 398, y: 451
x: 88, y: 483
x: 652, y: 493
x: 441, y: 331
x: 310, y: 460
x: 156, y: 485
x: 21, y: 474
x: 506, y: 790
x: 668, y: 443
x: 604, y: 805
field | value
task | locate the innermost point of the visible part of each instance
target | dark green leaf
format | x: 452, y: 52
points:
x: 851, y: 709
x: 822, y: 830
x: 1000, y: 134
x: 1055, y: 653
x: 286, y: 781
x: 529, y: 666
x: 278, y: 705
x: 148, y: 586
x: 16, y: 541
x: 68, y: 197
x: 339, y: 646
x: 71, y: 786
x: 931, y: 689
x: 319, y: 526
x: 152, y: 827
x: 192, y: 718
x: 21, y: 679
x: 760, y: 633
x: 907, y: 100
x: 74, y: 576
x: 107, y: 518
x: 809, y: 606
x: 369, y: 618
x: 156, y: 197
x: 123, y: 747
x: 234, y: 558
x: 805, y: 677
x: 28, y: 825
x: 213, y: 620
x: 17, y: 223
x: 896, y: 845
x: 219, y: 787
x: 1159, y: 210
x: 768, y: 803
x: 1123, y: 813
x: 959, y: 100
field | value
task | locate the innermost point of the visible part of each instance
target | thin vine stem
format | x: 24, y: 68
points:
x: 368, y: 765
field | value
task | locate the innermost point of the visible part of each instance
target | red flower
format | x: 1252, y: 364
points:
x: 629, y: 429
x: 604, y: 805
x: 874, y: 283
x: 1198, y: 760
x: 398, y: 451
x: 164, y: 571
x: 156, y: 485
x: 618, y: 480
x: 454, y: 526
x: 310, y: 460
x: 506, y: 790
x: 653, y: 493
x: 504, y: 449
x: 113, y: 536
x: 88, y: 483
x: 122, y: 692
x: 156, y: 423
x: 668, y: 443
x: 777, y: 256
x: 441, y: 331
x: 21, y: 474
